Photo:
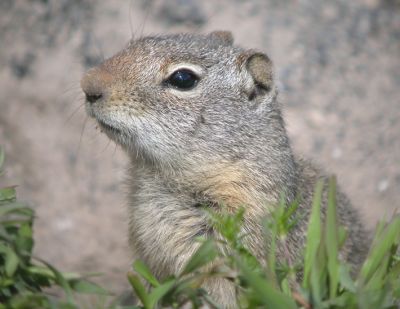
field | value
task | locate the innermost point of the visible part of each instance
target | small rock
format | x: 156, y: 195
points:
x: 383, y: 185
x: 64, y: 224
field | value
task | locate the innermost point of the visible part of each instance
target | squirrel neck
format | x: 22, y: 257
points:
x: 231, y: 183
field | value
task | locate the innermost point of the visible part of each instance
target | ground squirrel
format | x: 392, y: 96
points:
x: 200, y: 121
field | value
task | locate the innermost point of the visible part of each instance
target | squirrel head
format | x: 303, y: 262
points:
x: 175, y: 98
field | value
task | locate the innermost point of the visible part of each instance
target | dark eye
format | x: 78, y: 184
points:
x: 183, y: 79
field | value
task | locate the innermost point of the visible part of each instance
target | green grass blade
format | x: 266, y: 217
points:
x: 204, y: 254
x: 10, y: 258
x: 380, y: 249
x: 159, y: 292
x: 87, y: 287
x: 345, y: 279
x: 318, y: 276
x: 139, y: 289
x: 61, y: 281
x: 331, y: 239
x: 271, y: 235
x: 313, y: 234
x: 12, y: 262
x: 2, y: 157
x: 377, y: 279
x: 144, y: 271
x: 342, y: 236
x: 48, y: 273
x: 264, y: 290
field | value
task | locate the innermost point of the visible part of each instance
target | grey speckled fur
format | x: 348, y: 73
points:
x: 224, y: 141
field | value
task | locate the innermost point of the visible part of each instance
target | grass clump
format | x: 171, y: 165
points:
x: 23, y: 277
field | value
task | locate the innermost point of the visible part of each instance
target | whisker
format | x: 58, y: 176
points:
x: 80, y: 138
x: 73, y: 113
x: 115, y: 149
x: 130, y: 19
x: 73, y: 86
x: 105, y: 148
x: 99, y: 48
x: 63, y: 100
x: 146, y: 16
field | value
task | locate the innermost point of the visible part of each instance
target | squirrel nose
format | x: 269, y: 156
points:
x: 95, y: 84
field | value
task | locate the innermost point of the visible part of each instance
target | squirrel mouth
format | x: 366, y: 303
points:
x: 108, y: 128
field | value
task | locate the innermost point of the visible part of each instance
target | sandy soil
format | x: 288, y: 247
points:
x: 338, y: 68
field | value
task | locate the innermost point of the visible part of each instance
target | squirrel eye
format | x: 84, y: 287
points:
x: 183, y: 79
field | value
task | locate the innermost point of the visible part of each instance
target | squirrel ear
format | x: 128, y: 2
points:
x: 224, y: 37
x: 260, y: 68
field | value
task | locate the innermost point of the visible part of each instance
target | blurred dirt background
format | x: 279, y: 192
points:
x: 338, y: 66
